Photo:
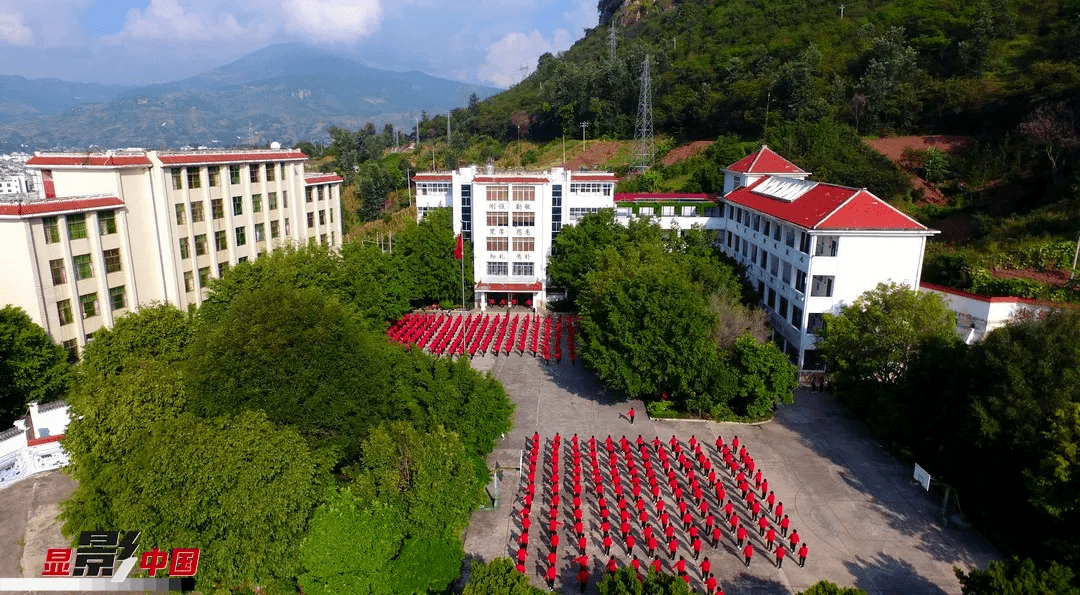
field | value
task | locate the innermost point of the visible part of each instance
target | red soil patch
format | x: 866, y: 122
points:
x: 597, y: 152
x: 686, y: 151
x: 1051, y: 277
x: 894, y: 147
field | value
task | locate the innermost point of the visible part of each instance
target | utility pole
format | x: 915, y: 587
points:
x: 643, y: 133
x: 584, y: 125
x: 448, y: 128
x: 408, y: 184
x: 768, y: 102
x: 417, y: 144
x: 841, y: 12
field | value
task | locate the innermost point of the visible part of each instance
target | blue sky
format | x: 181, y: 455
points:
x: 136, y: 42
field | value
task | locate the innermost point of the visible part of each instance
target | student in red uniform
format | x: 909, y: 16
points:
x: 733, y: 522
x: 629, y: 544
x: 763, y: 524
x: 651, y: 541
x: 581, y: 543
x: 680, y: 566
x: 784, y: 524
x: 607, y: 545
x: 740, y: 535
x: 770, y: 538
x: 770, y: 500
x: 710, y: 585
x: 522, y: 554
x: 631, y: 414
x: 764, y: 487
x: 520, y: 568
x: 716, y: 533
x: 755, y: 509
x: 673, y: 546
x: 686, y: 520
x: 748, y: 553
x: 669, y: 531
x: 696, y: 545
x: 803, y: 551
x: 552, y: 558
x: 656, y: 565
x: 779, y: 510
x: 554, y: 541
x: 583, y: 579
x: 780, y: 553
x: 550, y: 576
x: 612, y: 566
x: 794, y: 539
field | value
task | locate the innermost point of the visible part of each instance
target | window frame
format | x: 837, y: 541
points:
x: 106, y: 222
x: 82, y: 263
x: 76, y: 226
x: 51, y: 227
x: 58, y: 271
x: 112, y: 261
x: 115, y: 292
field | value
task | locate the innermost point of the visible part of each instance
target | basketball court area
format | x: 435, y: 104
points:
x: 854, y: 505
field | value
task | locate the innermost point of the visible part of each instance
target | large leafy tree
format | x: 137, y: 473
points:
x: 1017, y: 578
x: 426, y: 254
x: 498, y: 576
x: 830, y: 588
x: 32, y: 367
x: 577, y: 247
x: 765, y: 376
x: 624, y: 581
x: 154, y: 333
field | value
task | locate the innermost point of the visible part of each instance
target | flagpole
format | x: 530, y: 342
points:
x: 462, y: 293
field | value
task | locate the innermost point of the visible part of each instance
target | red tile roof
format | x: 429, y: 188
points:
x: 594, y: 177
x: 432, y: 178
x: 509, y: 180
x: 653, y: 197
x: 322, y: 178
x: 64, y: 205
x: 202, y: 158
x: 89, y: 161
x: 764, y: 161
x: 826, y: 206
x: 995, y: 299
x: 44, y: 440
x: 484, y: 286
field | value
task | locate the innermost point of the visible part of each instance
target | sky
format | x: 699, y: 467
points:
x: 137, y: 42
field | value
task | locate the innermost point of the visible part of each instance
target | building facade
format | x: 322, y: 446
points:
x: 512, y: 218
x: 120, y: 229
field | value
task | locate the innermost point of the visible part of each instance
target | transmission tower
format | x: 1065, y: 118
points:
x: 611, y: 40
x: 643, y: 134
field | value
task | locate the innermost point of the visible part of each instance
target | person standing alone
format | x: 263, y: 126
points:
x: 630, y: 414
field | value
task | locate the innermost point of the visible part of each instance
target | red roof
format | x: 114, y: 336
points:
x: 509, y: 180
x: 483, y: 286
x: 594, y: 177
x: 200, y: 158
x: 89, y: 160
x: 322, y: 178
x: 433, y: 178
x: 653, y: 197
x: 826, y: 206
x: 44, y: 440
x: 64, y: 205
x: 764, y: 161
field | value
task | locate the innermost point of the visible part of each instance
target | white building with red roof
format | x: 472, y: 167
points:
x: 810, y: 247
x: 114, y: 230
x: 512, y: 218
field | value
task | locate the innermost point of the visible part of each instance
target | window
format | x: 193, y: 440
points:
x: 782, y: 311
x: 764, y: 258
x: 774, y: 265
x: 189, y: 281
x: 524, y: 244
x: 523, y: 269
x: 59, y: 273
x: 800, y: 281
x: 196, y: 212
x: 220, y: 241
x: 181, y: 214
x: 241, y: 236
x: 645, y: 211
x: 497, y: 268
x: 524, y: 219
x: 332, y: 217
x: 83, y: 267
x: 237, y: 205
x: 112, y: 260
x: 814, y: 322
x: 234, y: 174
x: 804, y: 242
x: 786, y: 273
x: 117, y: 298
x: 217, y: 209
x: 221, y: 268
x: 796, y: 317
x: 311, y: 220
x: 307, y: 195
x: 524, y: 193
x: 213, y: 173
x: 689, y: 211
x: 106, y: 221
x: 274, y: 229
x: 177, y: 178
x: 766, y: 226
x: 577, y: 213
x: 200, y: 244
x: 789, y: 236
x: 282, y: 171
x: 667, y: 211
x: 498, y: 193
x: 284, y: 199
x: 777, y: 232
x: 322, y: 217
x: 63, y: 310
x: 194, y: 180
x: 72, y: 346
x: 322, y: 239
x: 287, y: 232
x: 260, y: 232
x: 498, y: 244
x: 271, y: 197
x: 204, y: 276
x: 185, y: 249
x: 253, y: 173
x: 76, y: 225
x: 753, y: 252
x: 772, y: 298
x: 89, y: 305
x: 52, y: 230
x: 821, y: 286
x: 591, y: 187
x: 738, y: 243
x: 827, y: 246
x: 755, y: 222
x: 622, y: 212
x: 271, y: 171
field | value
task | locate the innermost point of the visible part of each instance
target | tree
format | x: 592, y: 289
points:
x: 1017, y: 578
x: 158, y: 333
x: 375, y: 286
x: 498, y: 576
x: 239, y: 489
x: 576, y: 248
x: 830, y: 588
x: 892, y: 79
x: 624, y: 581
x: 32, y: 367
x: 426, y: 254
x: 872, y: 341
x: 765, y: 376
x: 1051, y: 127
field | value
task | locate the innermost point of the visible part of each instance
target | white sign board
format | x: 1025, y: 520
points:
x: 922, y: 477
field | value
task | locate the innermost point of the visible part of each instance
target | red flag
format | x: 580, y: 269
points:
x: 458, y: 251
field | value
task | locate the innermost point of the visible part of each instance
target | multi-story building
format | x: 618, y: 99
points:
x: 119, y: 229
x: 512, y: 218
x: 16, y: 179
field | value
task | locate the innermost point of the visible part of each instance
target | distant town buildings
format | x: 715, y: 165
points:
x: 111, y: 231
x: 18, y: 180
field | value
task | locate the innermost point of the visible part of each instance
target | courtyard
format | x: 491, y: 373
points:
x: 865, y: 522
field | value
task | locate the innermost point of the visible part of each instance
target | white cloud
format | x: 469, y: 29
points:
x: 332, y: 20
x: 13, y: 31
x: 584, y: 14
x: 514, y: 56
x: 168, y: 21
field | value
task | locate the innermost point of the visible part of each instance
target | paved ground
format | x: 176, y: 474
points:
x: 28, y: 524
x: 854, y: 505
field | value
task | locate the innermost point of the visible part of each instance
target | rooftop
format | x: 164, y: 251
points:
x: 764, y: 161
x: 663, y: 197
x: 54, y: 206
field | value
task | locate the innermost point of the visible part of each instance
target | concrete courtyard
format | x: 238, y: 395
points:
x: 855, y: 506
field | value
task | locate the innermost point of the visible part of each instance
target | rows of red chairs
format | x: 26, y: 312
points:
x: 484, y: 333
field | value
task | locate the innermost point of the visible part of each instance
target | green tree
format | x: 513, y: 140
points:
x: 32, y: 367
x: 498, y: 576
x: 157, y: 333
x: 375, y: 285
x: 575, y: 251
x: 829, y: 588
x: 241, y: 490
x: 1017, y: 578
x: 892, y: 79
x: 426, y: 254
x: 765, y: 376
x: 624, y: 581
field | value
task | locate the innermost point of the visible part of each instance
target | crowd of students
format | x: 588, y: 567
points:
x: 648, y: 499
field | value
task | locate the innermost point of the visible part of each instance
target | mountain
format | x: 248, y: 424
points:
x: 284, y: 92
x: 23, y: 98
